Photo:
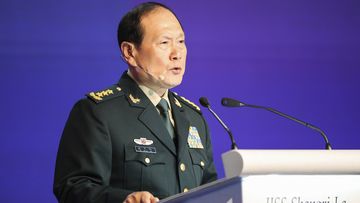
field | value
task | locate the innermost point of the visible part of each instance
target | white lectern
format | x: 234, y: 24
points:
x: 282, y: 176
x: 296, y: 176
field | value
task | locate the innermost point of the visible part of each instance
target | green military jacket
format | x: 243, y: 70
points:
x: 115, y: 143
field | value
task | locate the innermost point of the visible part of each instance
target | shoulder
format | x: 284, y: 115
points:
x: 187, y: 102
x: 106, y: 94
x: 97, y: 102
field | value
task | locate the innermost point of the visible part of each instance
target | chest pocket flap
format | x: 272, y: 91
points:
x: 198, y: 159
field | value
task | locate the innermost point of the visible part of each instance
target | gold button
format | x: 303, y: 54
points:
x: 182, y: 167
x: 147, y: 160
x: 202, y: 163
x: 185, y: 189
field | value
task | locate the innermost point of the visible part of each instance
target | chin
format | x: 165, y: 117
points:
x: 173, y: 83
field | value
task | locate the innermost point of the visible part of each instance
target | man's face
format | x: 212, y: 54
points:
x: 162, y: 53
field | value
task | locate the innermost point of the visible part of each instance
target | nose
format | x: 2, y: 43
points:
x: 177, y: 52
x: 175, y: 55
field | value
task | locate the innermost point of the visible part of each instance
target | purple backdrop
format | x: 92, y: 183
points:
x: 300, y: 57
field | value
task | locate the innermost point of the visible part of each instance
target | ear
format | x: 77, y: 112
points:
x: 128, y: 51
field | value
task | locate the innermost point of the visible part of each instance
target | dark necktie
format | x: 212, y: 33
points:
x: 163, y: 107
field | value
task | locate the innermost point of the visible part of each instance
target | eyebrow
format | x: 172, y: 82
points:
x: 182, y: 35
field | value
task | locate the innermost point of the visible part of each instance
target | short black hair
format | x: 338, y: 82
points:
x: 130, y: 29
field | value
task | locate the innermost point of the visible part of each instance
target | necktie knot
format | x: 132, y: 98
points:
x: 163, y: 106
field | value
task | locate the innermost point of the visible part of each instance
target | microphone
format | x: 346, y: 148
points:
x: 161, y: 77
x: 205, y: 103
x: 228, y: 102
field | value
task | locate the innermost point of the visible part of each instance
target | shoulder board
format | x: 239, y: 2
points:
x: 188, y: 102
x: 106, y: 94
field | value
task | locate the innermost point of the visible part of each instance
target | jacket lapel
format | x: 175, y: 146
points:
x: 182, y: 124
x: 149, y: 116
x: 151, y: 119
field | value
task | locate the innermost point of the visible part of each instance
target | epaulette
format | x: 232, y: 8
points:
x: 188, y: 103
x: 106, y: 94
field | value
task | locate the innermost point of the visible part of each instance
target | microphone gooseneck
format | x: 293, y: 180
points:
x: 159, y: 78
x: 228, y: 102
x: 205, y: 103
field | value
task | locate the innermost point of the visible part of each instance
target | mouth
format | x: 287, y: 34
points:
x: 176, y: 70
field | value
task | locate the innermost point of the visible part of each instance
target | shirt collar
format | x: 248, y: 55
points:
x: 151, y: 94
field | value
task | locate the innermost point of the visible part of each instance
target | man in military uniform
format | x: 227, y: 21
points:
x: 136, y: 141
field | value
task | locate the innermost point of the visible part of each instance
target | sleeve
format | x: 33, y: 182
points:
x: 210, y: 170
x: 84, y: 159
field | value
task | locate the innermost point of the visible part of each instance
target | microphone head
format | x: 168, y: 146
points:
x: 204, y: 102
x: 231, y: 102
x: 161, y: 77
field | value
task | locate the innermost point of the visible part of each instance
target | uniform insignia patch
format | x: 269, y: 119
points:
x: 177, y: 103
x: 194, y: 140
x: 99, y: 95
x: 191, y: 103
x: 134, y: 100
x: 106, y: 94
x: 182, y: 100
x: 143, y: 141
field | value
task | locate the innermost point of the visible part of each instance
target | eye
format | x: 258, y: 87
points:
x: 164, y: 42
x: 182, y: 41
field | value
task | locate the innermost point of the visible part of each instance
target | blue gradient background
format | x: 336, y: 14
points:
x: 300, y: 57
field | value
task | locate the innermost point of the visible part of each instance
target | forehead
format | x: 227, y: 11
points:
x: 160, y: 21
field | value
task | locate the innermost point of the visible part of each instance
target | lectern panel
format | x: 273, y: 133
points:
x: 221, y: 191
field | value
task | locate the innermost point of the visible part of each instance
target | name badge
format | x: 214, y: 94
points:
x: 145, y: 149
